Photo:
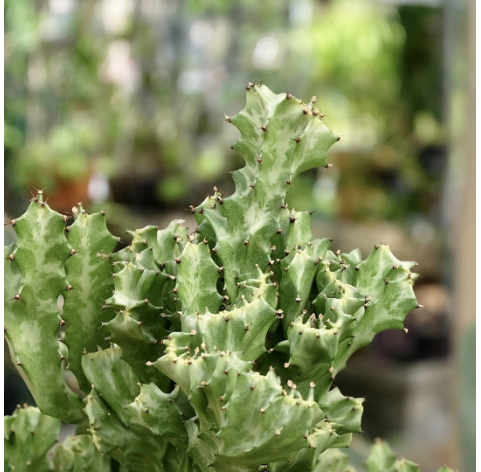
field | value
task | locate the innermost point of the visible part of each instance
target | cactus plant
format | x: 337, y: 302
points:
x: 207, y: 351
x: 30, y: 434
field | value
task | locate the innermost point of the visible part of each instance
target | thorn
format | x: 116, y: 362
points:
x: 297, y: 140
x: 264, y: 128
x: 11, y: 257
x: 17, y: 297
x: 69, y: 287
x: 231, y: 146
x: 178, y: 261
x: 227, y: 118
x: 288, y: 96
x: 42, y: 204
x: 338, y: 138
x: 33, y: 199
x: 288, y: 182
x: 72, y: 252
x: 259, y: 159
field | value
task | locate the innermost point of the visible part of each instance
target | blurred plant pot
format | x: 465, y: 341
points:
x: 67, y: 193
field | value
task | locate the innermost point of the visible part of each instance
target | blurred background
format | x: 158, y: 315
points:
x: 120, y: 103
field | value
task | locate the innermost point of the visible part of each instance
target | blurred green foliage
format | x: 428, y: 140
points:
x: 136, y: 91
